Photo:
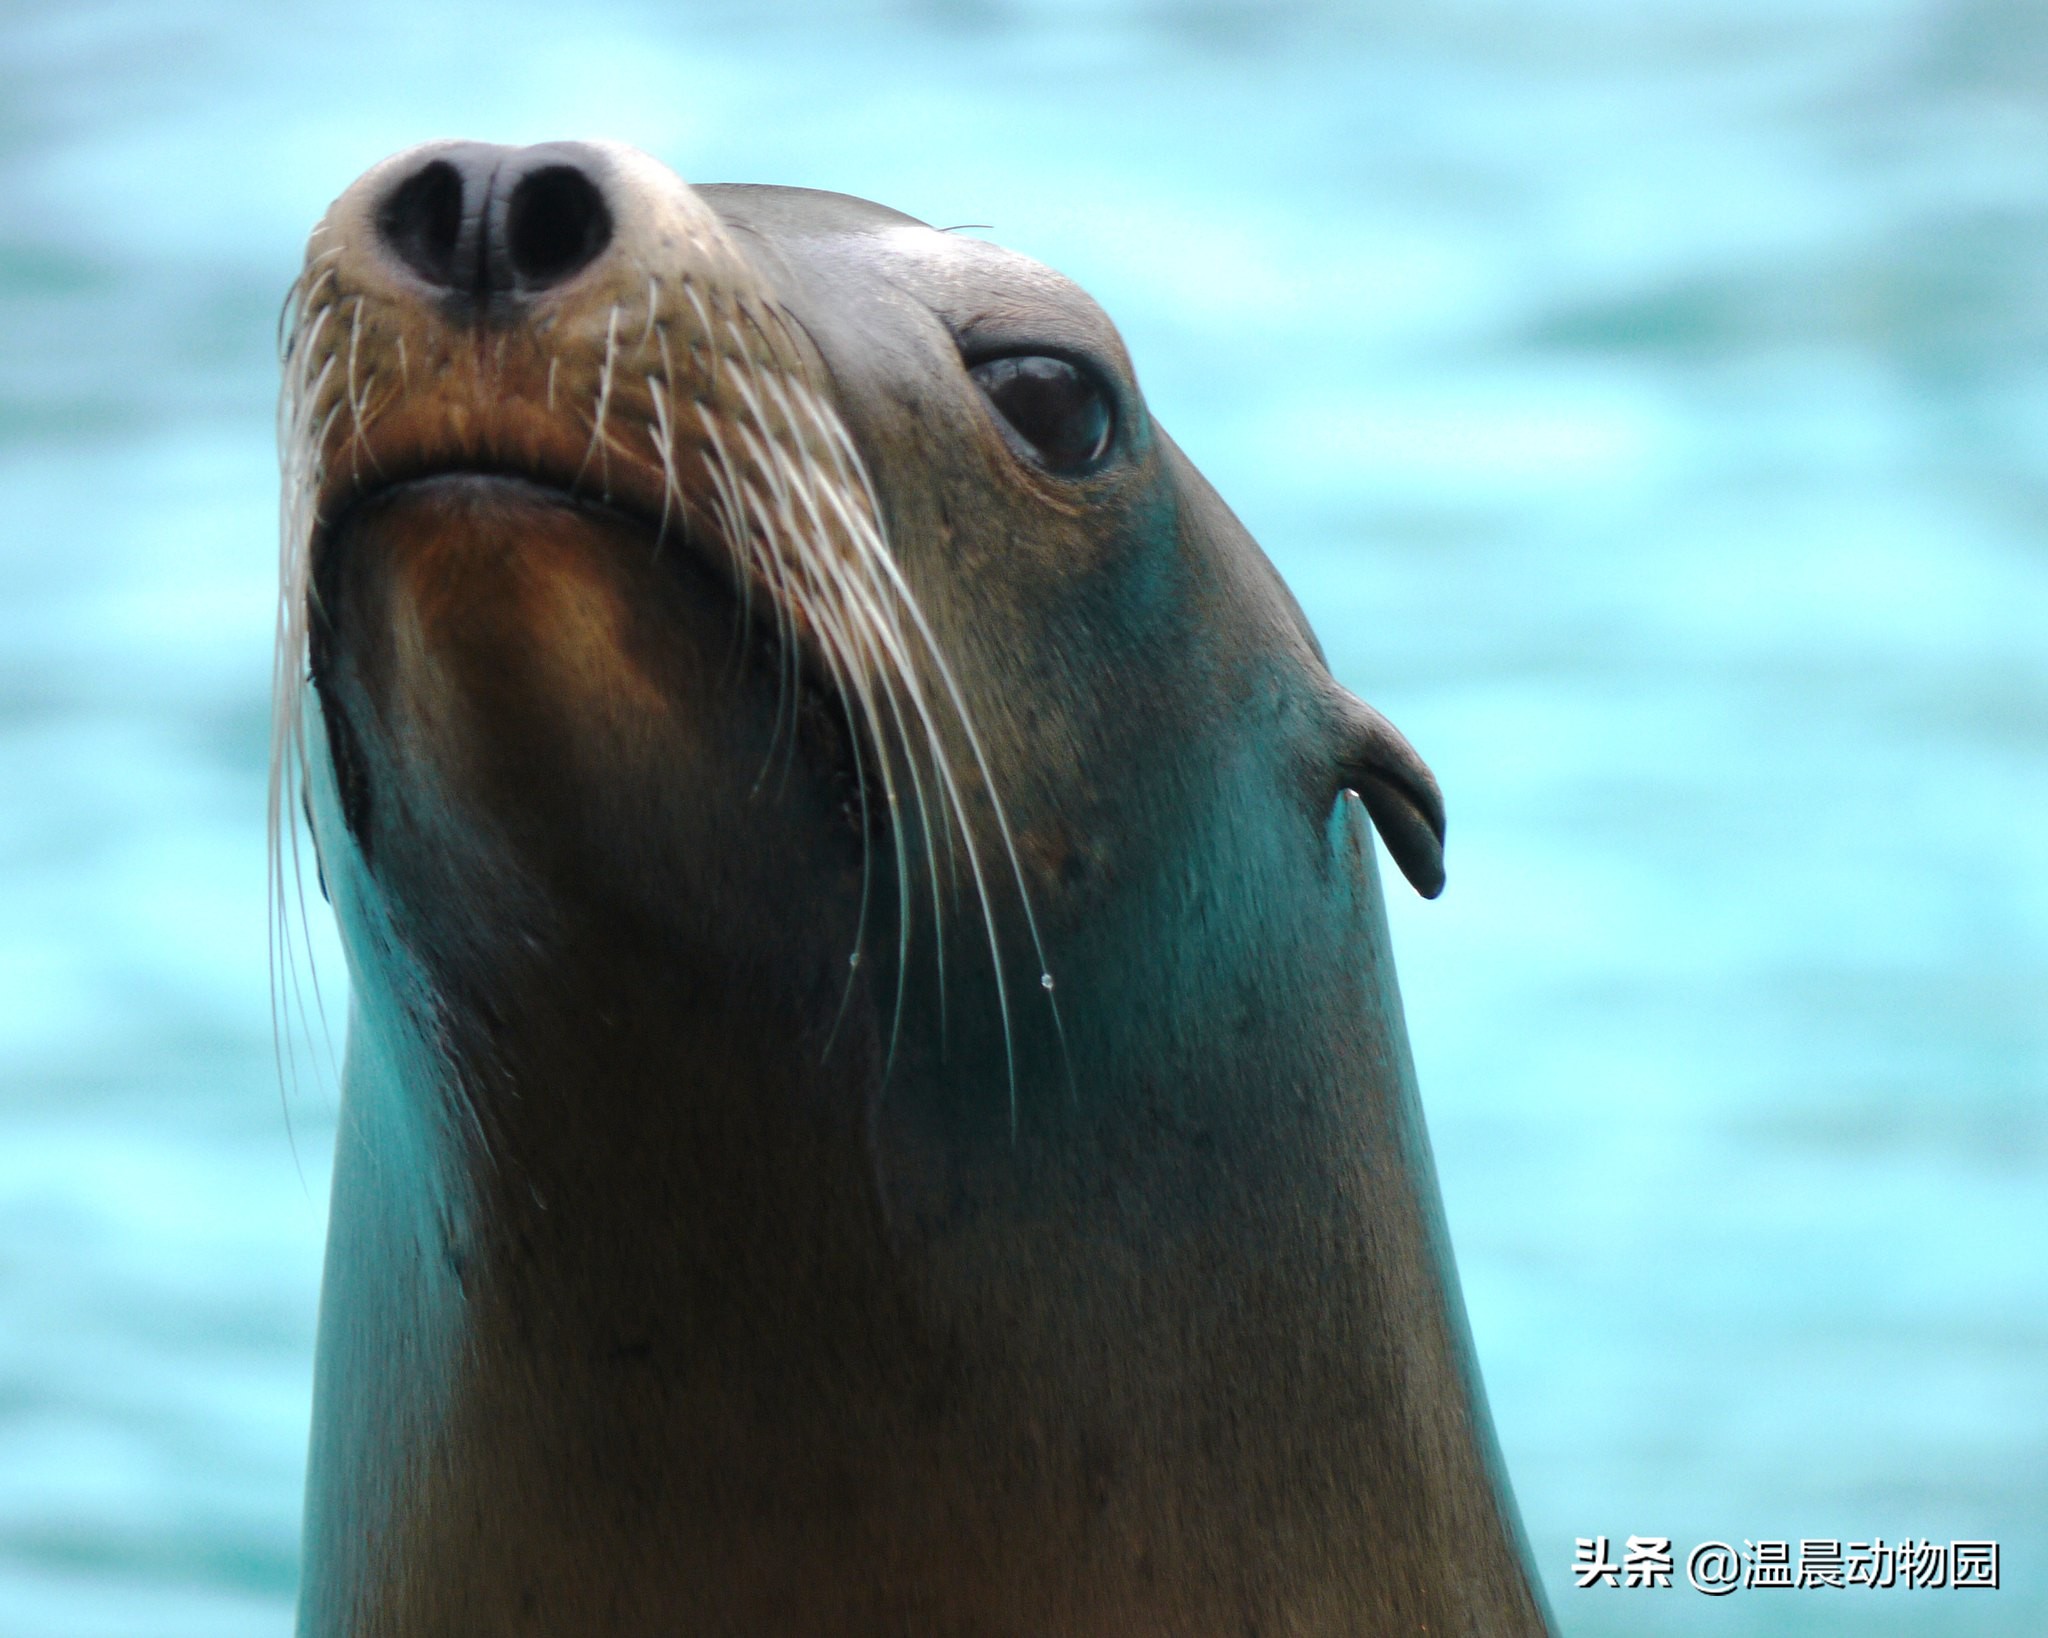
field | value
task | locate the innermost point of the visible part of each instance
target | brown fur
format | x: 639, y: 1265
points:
x: 687, y: 1276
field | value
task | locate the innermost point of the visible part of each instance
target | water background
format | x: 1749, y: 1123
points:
x: 1648, y: 404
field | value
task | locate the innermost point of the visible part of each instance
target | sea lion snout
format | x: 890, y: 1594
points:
x: 484, y: 224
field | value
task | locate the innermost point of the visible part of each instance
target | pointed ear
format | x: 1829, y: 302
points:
x: 1397, y: 788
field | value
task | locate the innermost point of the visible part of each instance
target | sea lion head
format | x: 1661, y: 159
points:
x: 768, y: 574
x: 876, y: 1097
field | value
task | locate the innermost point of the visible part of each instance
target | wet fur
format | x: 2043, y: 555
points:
x: 719, y: 742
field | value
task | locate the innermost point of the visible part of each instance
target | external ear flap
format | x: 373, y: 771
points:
x: 1398, y: 790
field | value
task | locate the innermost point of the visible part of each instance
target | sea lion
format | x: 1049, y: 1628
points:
x: 876, y: 1099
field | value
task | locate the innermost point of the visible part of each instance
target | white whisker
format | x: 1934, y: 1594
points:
x: 664, y: 444
x: 653, y: 308
x: 598, y: 449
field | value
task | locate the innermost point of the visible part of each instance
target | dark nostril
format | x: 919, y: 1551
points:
x: 484, y: 224
x: 422, y: 222
x: 556, y: 224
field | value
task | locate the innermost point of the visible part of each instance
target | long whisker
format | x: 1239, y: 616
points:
x: 879, y: 555
x: 704, y: 329
x: 882, y: 646
x: 305, y: 386
x: 597, y: 449
x: 770, y: 505
x: 663, y: 434
x: 358, y: 395
x: 865, y: 537
x: 653, y: 312
x: 730, y: 519
x: 749, y: 513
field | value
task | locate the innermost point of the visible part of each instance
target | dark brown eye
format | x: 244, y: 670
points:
x: 1057, y: 408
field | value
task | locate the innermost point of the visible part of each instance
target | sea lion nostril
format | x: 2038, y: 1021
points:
x: 422, y: 222
x: 555, y: 225
x: 467, y: 223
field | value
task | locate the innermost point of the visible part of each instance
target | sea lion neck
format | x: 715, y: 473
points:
x: 770, y: 1366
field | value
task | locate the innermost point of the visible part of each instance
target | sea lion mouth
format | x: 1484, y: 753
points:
x: 449, y: 434
x: 549, y: 480
x: 416, y: 499
x: 546, y: 461
x: 554, y: 487
x: 514, y: 485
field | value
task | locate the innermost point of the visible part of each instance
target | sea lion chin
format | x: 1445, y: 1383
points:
x: 876, y: 1099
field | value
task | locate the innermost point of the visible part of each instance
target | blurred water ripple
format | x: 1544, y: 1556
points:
x: 1648, y: 405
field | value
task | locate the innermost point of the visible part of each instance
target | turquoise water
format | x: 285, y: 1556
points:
x: 1650, y: 405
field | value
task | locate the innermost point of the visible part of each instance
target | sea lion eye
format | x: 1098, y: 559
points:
x: 1057, y: 408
